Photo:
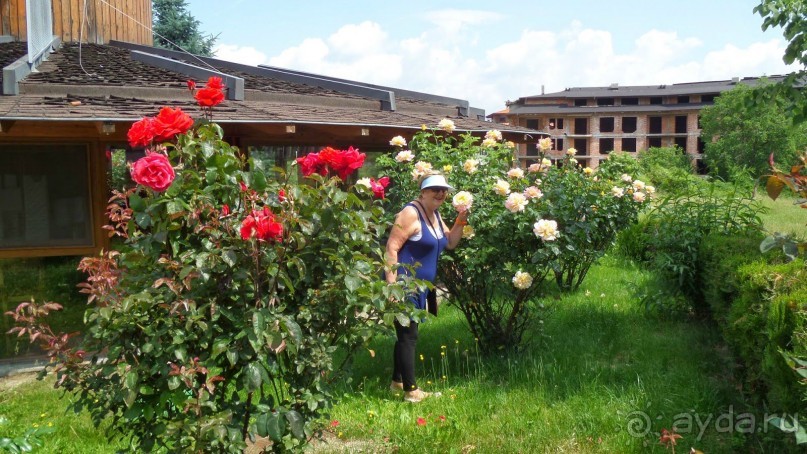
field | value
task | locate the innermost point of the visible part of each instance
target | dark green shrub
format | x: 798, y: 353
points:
x: 616, y: 165
x: 666, y: 168
x: 674, y: 229
x: 760, y: 325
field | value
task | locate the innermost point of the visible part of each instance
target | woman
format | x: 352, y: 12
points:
x: 417, y: 239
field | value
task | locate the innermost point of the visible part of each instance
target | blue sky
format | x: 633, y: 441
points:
x: 489, y: 52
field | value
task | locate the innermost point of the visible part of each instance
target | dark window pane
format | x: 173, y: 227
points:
x: 607, y: 124
x: 581, y: 126
x: 44, y: 196
x: 655, y: 125
x: 655, y: 100
x: 629, y: 144
x: 606, y: 146
x: 630, y: 101
x: 628, y: 124
x: 680, y: 124
x: 579, y: 102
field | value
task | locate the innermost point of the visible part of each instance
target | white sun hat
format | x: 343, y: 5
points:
x: 435, y: 181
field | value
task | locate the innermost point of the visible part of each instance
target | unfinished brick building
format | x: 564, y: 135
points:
x: 598, y: 120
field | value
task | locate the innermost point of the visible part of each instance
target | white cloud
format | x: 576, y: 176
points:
x: 442, y: 59
x: 246, y: 55
x: 357, y: 40
x: 308, y: 56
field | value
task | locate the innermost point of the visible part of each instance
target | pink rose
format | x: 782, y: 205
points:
x: 153, y: 171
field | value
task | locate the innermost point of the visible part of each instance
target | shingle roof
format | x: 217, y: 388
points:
x: 687, y: 88
x: 104, y: 83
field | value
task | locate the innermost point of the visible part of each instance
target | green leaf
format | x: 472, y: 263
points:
x: 229, y: 257
x: 352, y: 282
x: 219, y: 346
x: 136, y: 203
x: 253, y: 376
x: 292, y: 328
x: 130, y: 381
x: 296, y: 423
x: 274, y: 426
x: 232, y: 357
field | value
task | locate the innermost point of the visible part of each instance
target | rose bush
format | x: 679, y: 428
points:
x: 525, y: 224
x: 221, y: 317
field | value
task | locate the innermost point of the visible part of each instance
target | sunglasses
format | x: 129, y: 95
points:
x: 438, y: 189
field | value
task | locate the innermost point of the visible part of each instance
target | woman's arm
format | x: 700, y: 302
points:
x: 406, y: 225
x: 455, y: 234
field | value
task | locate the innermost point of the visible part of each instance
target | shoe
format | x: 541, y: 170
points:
x: 418, y: 395
x: 396, y: 387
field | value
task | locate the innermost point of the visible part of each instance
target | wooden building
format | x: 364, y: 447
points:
x: 91, y: 83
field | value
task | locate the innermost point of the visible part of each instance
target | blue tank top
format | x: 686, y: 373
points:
x: 423, y: 251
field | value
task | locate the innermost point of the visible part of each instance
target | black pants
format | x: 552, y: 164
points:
x: 404, y: 355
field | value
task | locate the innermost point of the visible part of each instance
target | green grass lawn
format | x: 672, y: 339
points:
x: 603, y: 368
x: 603, y: 377
x: 784, y: 216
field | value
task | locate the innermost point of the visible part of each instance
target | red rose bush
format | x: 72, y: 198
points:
x: 219, y: 317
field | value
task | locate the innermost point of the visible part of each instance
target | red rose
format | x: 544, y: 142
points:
x: 281, y: 195
x: 261, y: 225
x: 343, y: 162
x: 209, y: 97
x: 379, y: 187
x: 225, y: 210
x: 215, y: 83
x: 191, y: 85
x: 141, y: 134
x: 311, y: 163
x: 170, y: 122
x: 153, y: 171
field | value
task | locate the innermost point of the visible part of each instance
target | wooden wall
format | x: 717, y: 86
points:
x: 131, y: 22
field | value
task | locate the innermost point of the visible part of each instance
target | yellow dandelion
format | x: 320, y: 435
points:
x: 444, y: 377
x: 421, y: 357
x: 443, y: 347
x: 50, y: 424
x: 456, y: 341
x: 422, y: 127
x: 442, y: 353
x: 429, y: 382
x: 35, y: 425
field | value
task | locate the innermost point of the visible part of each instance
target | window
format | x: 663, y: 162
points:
x: 269, y: 156
x: 681, y: 142
x: 629, y: 144
x: 533, y: 123
x: 581, y: 145
x: 701, y: 145
x: 532, y: 149
x: 556, y: 123
x: 605, y: 101
x: 628, y: 124
x: 655, y: 125
x: 654, y: 142
x: 557, y: 144
x: 630, y: 101
x: 655, y: 100
x: 680, y: 124
x: 701, y: 167
x: 580, y: 102
x: 581, y: 126
x: 606, y: 146
x: 607, y: 124
x: 44, y: 196
x: 710, y: 98
x: 683, y: 100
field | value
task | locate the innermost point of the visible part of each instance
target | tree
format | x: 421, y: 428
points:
x: 175, y: 28
x: 791, y: 15
x: 741, y: 134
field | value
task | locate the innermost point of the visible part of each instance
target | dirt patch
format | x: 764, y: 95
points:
x: 12, y: 381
